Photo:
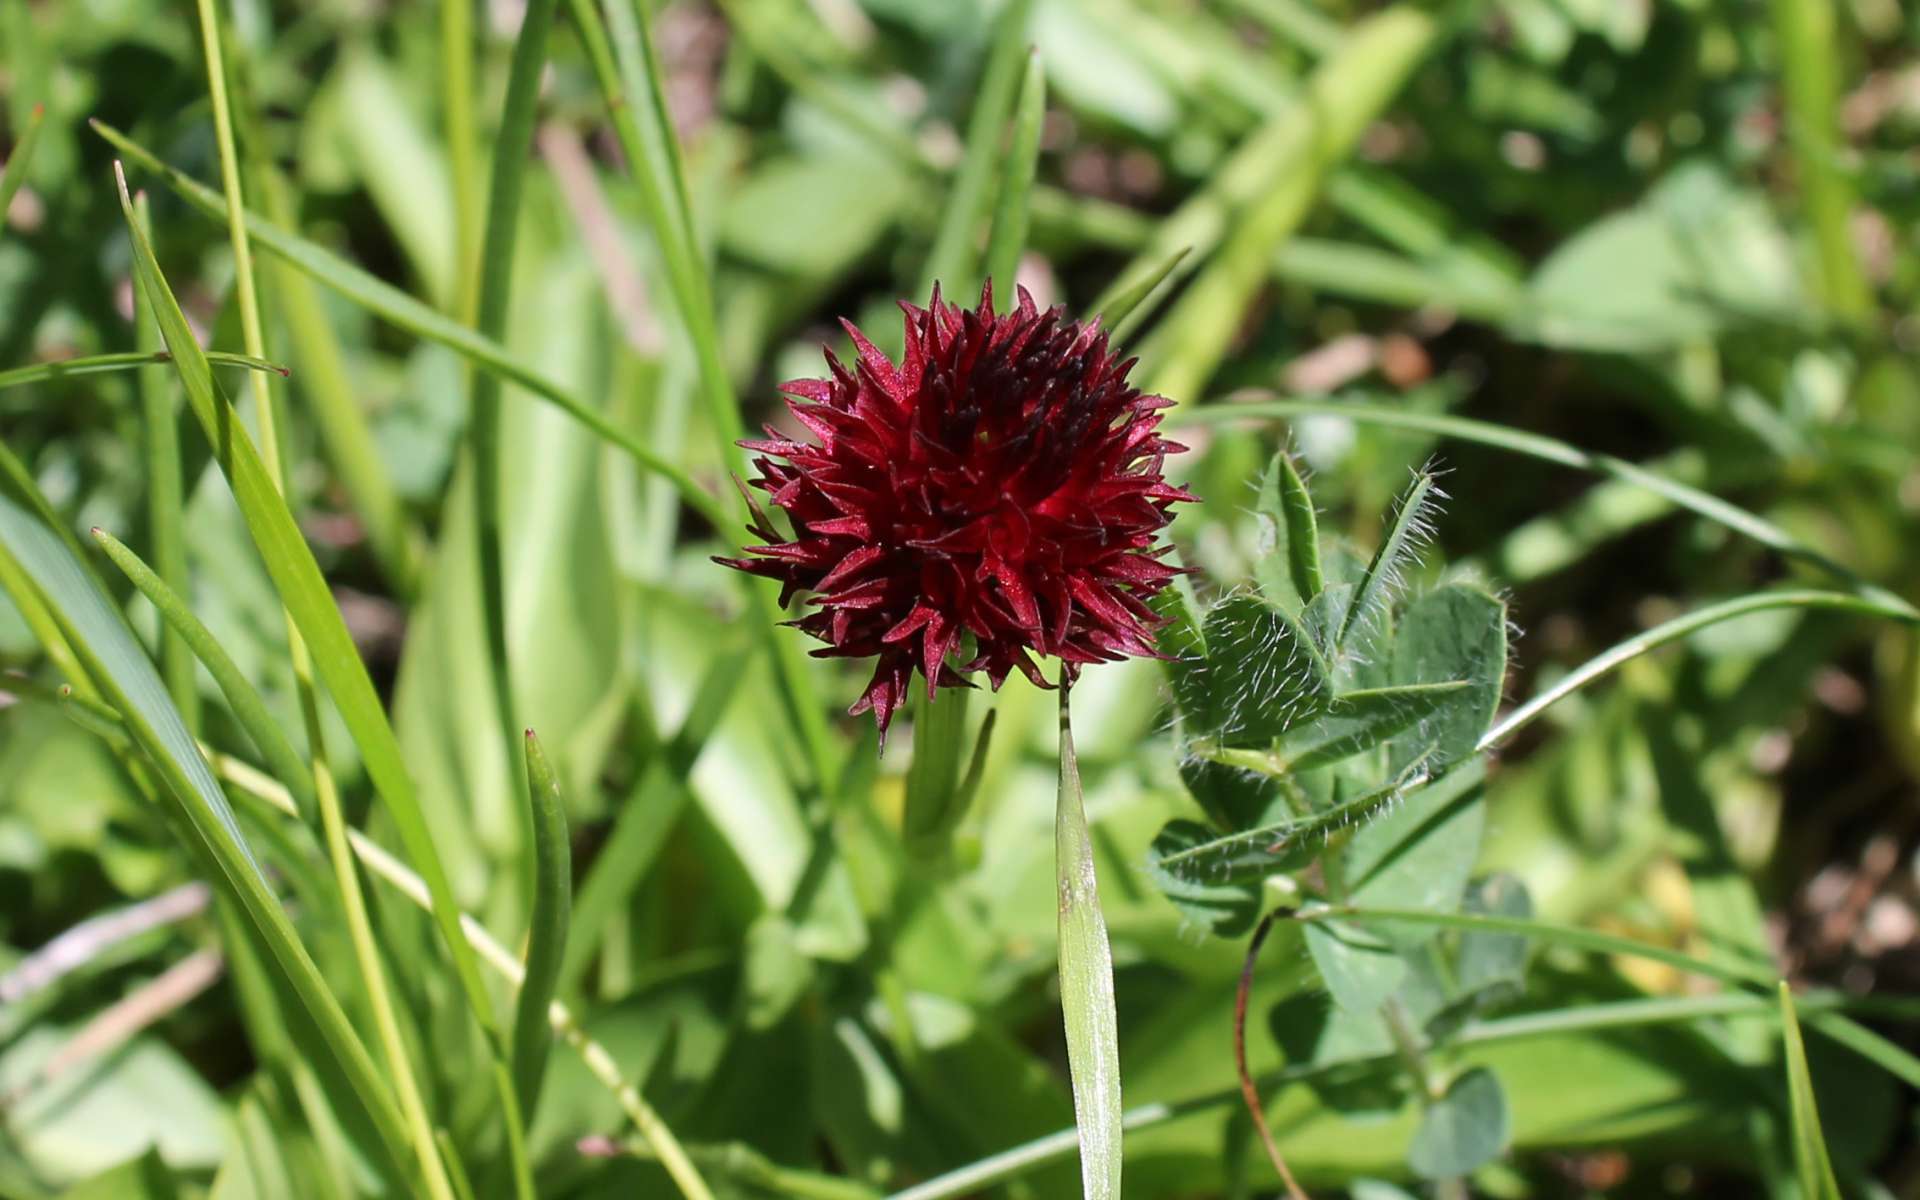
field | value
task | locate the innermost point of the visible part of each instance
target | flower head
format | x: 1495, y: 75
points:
x: 1001, y: 483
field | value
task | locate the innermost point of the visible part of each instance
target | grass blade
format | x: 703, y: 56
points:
x: 1534, y: 445
x: 1128, y: 308
x: 513, y: 144
x: 159, y: 422
x: 22, y: 158
x: 130, y: 685
x: 98, y: 364
x: 1672, y: 631
x: 1086, y: 983
x: 1810, y: 1158
x: 242, y: 698
x: 547, y: 933
x: 406, y: 313
x: 953, y: 258
x: 1013, y: 211
x: 309, y: 602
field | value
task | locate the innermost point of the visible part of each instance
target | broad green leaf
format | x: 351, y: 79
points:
x: 1260, y: 679
x: 1359, y: 721
x: 1214, y: 886
x: 1359, y: 967
x: 1493, y: 960
x: 1086, y: 985
x: 1463, y: 1129
x: 1289, y: 572
x: 1419, y: 853
x: 1810, y: 1160
x: 1454, y: 632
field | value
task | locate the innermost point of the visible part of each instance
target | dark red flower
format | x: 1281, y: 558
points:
x: 1003, y: 482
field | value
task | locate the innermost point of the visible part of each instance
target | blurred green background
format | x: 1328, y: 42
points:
x: 1679, y: 232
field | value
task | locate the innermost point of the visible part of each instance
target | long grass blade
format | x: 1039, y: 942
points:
x: 308, y: 600
x: 1806, y: 32
x: 1810, y: 1158
x: 654, y: 154
x: 160, y: 430
x: 1129, y: 307
x: 547, y: 929
x: 1551, y: 450
x: 1013, y: 209
x: 243, y: 700
x: 512, y: 146
x: 954, y: 257
x: 1086, y: 983
x: 99, y: 364
x: 1672, y: 631
x: 406, y: 313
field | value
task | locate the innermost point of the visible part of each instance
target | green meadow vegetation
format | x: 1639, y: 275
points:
x: 397, y: 798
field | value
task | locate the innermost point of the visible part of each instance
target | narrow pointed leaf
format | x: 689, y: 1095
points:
x: 1290, y: 573
x: 1810, y: 1160
x: 547, y: 932
x: 1014, y: 209
x: 1086, y: 984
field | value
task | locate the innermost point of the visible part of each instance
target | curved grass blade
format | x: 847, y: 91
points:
x: 404, y: 312
x: 242, y: 698
x: 99, y: 364
x: 1674, y: 630
x: 16, y: 172
x: 131, y: 686
x: 547, y: 933
x: 309, y: 603
x: 953, y: 258
x: 1810, y: 1159
x: 1086, y: 983
x: 1551, y: 450
x: 1013, y: 210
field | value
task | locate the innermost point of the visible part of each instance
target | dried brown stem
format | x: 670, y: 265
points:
x: 1248, y: 1088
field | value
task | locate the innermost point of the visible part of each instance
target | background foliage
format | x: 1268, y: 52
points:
x: 1561, y: 260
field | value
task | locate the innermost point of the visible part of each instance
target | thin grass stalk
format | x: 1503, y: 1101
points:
x: 252, y: 784
x: 165, y: 498
x: 547, y: 928
x: 326, y: 794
